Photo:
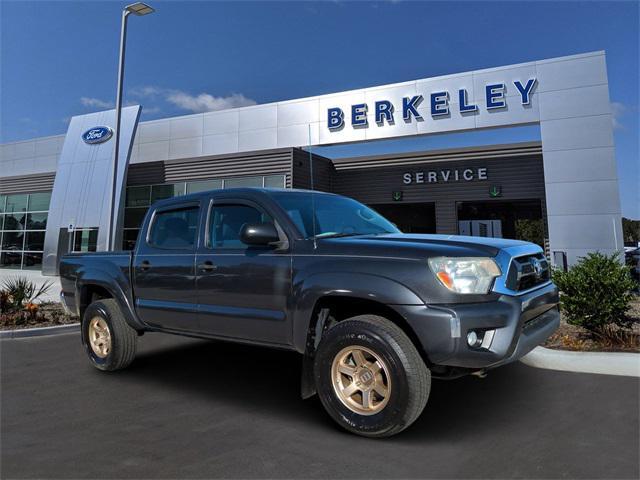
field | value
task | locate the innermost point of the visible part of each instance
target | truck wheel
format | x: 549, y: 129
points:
x: 108, y: 340
x: 370, y: 377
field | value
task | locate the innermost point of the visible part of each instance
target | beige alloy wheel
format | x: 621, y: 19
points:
x: 361, y: 380
x: 99, y: 337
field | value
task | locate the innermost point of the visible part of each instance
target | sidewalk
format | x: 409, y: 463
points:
x: 608, y: 363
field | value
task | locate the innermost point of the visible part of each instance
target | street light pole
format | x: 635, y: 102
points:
x: 137, y: 9
x: 114, y: 181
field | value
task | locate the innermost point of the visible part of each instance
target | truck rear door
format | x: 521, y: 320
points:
x: 164, y: 268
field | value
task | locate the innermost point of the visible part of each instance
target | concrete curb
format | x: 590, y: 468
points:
x: 39, y: 332
x: 607, y: 363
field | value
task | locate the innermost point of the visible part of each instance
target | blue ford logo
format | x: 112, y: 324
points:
x: 97, y: 135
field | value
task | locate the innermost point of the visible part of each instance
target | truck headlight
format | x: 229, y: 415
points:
x: 465, y: 274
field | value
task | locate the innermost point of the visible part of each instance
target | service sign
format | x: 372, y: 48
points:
x: 97, y: 135
x: 438, y: 105
x: 445, y: 176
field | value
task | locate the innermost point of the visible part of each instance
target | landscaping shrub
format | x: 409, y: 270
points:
x: 595, y: 293
x: 18, y: 307
x: 20, y: 293
x: 530, y: 230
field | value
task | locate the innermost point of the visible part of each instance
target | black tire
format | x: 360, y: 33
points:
x: 123, y: 337
x: 410, y: 379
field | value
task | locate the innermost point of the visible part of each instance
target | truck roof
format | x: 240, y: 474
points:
x: 240, y: 190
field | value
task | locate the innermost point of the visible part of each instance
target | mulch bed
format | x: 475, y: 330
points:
x: 572, y: 337
x: 49, y: 314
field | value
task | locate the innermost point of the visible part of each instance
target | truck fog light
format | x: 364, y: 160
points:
x: 473, y: 340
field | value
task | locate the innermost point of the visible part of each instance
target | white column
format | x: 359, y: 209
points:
x: 581, y: 182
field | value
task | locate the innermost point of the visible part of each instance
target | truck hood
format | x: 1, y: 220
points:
x: 455, y: 245
x: 462, y: 240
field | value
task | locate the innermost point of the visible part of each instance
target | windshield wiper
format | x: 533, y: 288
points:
x: 338, y: 235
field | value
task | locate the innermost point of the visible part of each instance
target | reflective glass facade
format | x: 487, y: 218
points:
x: 23, y: 222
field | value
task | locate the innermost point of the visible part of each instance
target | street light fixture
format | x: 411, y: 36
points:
x: 138, y: 9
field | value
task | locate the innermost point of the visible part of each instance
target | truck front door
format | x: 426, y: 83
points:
x: 242, y: 290
x: 164, y: 269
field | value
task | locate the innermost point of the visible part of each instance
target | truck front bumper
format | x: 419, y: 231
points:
x: 509, y: 328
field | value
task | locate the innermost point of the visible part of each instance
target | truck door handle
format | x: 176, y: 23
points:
x: 145, y: 265
x: 207, y: 266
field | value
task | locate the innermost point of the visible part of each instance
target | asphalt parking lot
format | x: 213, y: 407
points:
x: 192, y: 408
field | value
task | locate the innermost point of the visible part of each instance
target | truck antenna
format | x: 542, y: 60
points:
x: 313, y: 201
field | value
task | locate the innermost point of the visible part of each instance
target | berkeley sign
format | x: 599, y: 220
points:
x: 384, y: 110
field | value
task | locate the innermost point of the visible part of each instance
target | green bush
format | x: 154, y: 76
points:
x: 595, y: 292
x: 530, y: 230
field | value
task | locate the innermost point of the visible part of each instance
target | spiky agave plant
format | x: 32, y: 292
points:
x: 20, y: 291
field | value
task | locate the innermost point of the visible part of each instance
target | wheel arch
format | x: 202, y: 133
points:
x: 345, y: 306
x: 90, y: 288
x: 364, y: 290
x: 333, y: 309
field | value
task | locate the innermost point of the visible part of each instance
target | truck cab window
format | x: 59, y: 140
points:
x: 175, y: 228
x: 226, y: 222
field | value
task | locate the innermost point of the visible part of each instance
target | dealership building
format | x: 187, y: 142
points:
x: 561, y: 191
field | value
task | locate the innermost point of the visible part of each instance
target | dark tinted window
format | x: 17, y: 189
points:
x: 134, y: 216
x: 227, y: 221
x: 35, y: 241
x: 175, y: 228
x: 84, y: 240
x: 37, y: 221
x: 129, y: 238
x: 12, y: 240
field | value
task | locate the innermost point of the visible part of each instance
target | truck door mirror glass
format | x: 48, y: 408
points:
x: 263, y: 233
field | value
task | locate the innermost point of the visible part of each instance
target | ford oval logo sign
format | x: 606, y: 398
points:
x: 97, y: 135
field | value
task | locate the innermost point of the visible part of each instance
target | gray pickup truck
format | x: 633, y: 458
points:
x: 374, y: 313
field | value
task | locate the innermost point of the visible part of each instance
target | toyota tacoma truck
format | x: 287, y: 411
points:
x: 374, y: 313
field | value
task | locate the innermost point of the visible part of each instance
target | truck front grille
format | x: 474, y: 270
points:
x: 527, y: 272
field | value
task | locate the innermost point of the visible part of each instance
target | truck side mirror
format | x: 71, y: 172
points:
x: 259, y: 233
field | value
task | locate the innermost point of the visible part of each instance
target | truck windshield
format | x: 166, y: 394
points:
x: 335, y: 216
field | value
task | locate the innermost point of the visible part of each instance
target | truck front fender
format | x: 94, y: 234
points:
x: 311, y: 289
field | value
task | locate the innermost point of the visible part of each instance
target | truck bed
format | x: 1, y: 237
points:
x: 113, y: 266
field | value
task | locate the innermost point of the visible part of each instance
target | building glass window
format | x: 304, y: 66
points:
x: 37, y: 221
x: 14, y: 221
x: 17, y: 203
x: 160, y: 192
x: 133, y: 217
x: 12, y: 240
x: 140, y: 198
x: 39, y: 201
x: 194, y: 187
x: 274, y: 181
x: 85, y: 240
x: 129, y: 238
x: 23, y: 221
x: 243, y: 182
